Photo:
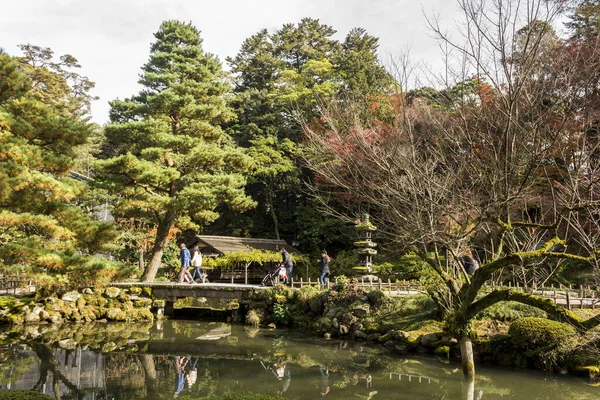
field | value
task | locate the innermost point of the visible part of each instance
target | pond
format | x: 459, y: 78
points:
x: 194, y: 360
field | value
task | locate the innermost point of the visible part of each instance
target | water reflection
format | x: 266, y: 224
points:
x: 194, y: 360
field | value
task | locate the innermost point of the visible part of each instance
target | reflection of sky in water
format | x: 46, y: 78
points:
x: 200, y: 359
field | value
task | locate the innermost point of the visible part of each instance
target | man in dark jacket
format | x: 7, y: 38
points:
x: 288, y: 264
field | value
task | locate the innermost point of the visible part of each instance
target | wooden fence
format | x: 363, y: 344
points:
x: 15, y: 284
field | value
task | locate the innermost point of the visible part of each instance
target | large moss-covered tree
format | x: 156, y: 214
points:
x: 466, y: 172
x: 171, y: 163
x: 45, y: 232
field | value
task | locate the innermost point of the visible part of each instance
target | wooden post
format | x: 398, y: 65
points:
x: 568, y: 300
x: 246, y: 273
x: 555, y: 297
x: 581, y: 292
x: 301, y: 283
x: 390, y: 286
x: 380, y: 284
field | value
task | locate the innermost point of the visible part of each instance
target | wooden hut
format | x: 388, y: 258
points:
x: 245, y: 262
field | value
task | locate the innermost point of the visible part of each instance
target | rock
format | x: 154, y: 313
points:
x: 344, y: 330
x: 359, y: 335
x: 44, y: 315
x: 429, y: 340
x: 448, y: 341
x: 135, y: 290
x: 34, y: 315
x: 56, y: 319
x: 373, y: 337
x: 390, y: 344
x: 159, y: 303
x: 142, y: 303
x: 112, y: 292
x: 67, y: 344
x: 335, y: 324
x: 394, y: 335
x: 116, y: 314
x: 357, y: 326
x: 272, y: 326
x: 331, y: 313
x: 401, y: 348
x: 361, y: 310
x: 71, y: 296
x: 327, y: 335
x: 87, y: 291
x: 347, y: 318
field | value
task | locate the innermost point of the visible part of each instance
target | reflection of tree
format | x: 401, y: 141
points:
x: 48, y: 364
x: 13, y: 364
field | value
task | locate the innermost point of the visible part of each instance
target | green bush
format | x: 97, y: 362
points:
x: 22, y: 395
x: 509, y: 311
x: 541, y: 342
x: 341, y: 283
x: 281, y: 314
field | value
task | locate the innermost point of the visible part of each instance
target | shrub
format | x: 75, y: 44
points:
x: 22, y: 395
x: 542, y: 342
x: 281, y: 314
x: 341, y: 283
x: 252, y: 318
x: 509, y: 311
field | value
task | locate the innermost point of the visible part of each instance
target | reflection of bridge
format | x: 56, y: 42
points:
x: 410, y: 377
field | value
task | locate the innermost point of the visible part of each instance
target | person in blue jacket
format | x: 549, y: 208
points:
x: 185, y: 258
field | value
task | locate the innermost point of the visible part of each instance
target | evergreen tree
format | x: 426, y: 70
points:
x: 281, y: 78
x: 43, y: 231
x: 171, y: 163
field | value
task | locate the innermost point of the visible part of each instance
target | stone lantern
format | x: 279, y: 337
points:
x: 366, y: 247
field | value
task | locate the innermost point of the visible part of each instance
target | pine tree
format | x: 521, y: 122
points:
x: 43, y: 231
x: 171, y: 162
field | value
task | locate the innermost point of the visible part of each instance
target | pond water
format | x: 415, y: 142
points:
x: 193, y: 360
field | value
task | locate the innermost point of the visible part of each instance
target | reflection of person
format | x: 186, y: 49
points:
x: 184, y: 257
x: 180, y: 363
x: 324, y: 267
x: 286, y: 261
x: 325, y: 389
x: 283, y: 374
x: 192, y: 373
x: 196, y: 263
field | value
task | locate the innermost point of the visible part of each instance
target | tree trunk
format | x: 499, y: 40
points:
x: 141, y: 259
x: 466, y: 356
x: 162, y: 234
x: 273, y: 215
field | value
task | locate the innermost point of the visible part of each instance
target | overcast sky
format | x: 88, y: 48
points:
x: 111, y: 38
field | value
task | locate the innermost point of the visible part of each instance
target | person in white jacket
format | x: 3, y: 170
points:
x: 196, y: 264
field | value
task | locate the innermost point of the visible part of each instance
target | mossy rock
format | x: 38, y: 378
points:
x: 442, y: 351
x: 112, y: 292
x: 142, y: 303
x: 135, y: 291
x: 23, y: 395
x: 159, y: 303
x: 116, y: 314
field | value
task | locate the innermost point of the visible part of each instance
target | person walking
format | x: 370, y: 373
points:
x: 196, y: 264
x: 324, y: 268
x: 288, y: 264
x: 184, y: 257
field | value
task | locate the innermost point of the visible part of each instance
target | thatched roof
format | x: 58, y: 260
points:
x: 229, y: 244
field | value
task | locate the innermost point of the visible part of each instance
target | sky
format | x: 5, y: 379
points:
x: 111, y: 38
